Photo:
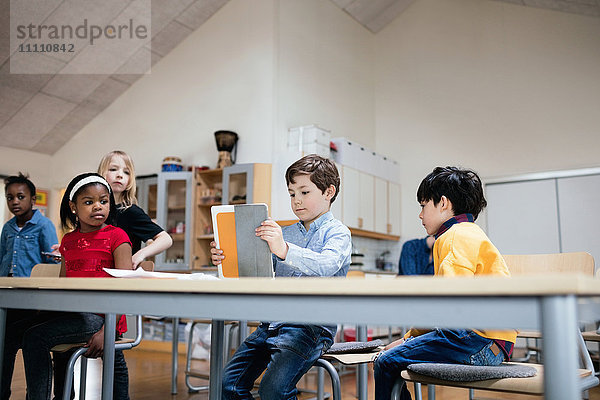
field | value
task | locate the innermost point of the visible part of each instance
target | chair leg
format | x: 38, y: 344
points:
x: 70, y: 369
x: 82, y: 377
x: 430, y: 392
x: 320, y: 384
x: 418, y: 393
x: 335, y: 378
x: 471, y: 394
x: 188, y: 363
x: 397, y: 389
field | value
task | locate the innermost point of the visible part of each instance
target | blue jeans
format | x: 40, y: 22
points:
x: 286, y: 353
x: 453, y: 346
x: 63, y: 328
x: 17, y: 322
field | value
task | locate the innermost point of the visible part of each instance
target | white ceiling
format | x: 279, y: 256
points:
x: 41, y: 113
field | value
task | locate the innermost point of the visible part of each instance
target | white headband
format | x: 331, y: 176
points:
x: 86, y: 181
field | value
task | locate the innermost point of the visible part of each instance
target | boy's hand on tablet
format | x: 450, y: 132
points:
x: 270, y: 232
x: 216, y: 255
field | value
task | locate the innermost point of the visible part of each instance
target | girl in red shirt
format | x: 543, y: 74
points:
x: 87, y: 205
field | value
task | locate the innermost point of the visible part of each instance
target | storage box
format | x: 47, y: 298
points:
x: 347, y: 152
x: 392, y: 171
x: 309, y: 134
x: 309, y: 139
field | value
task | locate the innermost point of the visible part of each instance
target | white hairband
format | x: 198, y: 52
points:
x: 86, y: 181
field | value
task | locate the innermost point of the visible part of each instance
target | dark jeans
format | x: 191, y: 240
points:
x: 453, y: 346
x: 286, y: 353
x: 17, y: 322
x: 63, y: 328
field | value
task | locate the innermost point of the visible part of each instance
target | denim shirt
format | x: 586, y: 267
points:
x: 21, y: 249
x: 323, y: 250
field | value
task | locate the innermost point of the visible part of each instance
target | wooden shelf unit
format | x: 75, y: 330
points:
x: 209, y: 188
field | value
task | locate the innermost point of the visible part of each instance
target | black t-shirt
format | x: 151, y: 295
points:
x: 137, y: 224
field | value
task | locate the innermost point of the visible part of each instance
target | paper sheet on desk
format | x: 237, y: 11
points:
x: 140, y: 273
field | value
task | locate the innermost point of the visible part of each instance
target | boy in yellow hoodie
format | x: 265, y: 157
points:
x: 450, y: 199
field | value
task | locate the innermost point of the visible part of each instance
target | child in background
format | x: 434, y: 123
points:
x: 24, y: 238
x: 450, y: 199
x: 86, y: 207
x: 117, y: 168
x: 27, y: 234
x: 318, y: 245
x: 416, y: 257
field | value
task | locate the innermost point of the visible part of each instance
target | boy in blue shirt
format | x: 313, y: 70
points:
x: 318, y: 245
x: 23, y: 239
x: 26, y: 235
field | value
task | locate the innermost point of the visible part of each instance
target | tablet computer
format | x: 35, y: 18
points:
x: 246, y: 255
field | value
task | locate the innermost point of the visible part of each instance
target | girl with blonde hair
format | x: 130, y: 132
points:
x: 117, y: 168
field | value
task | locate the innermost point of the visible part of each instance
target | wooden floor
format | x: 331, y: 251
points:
x: 150, y: 378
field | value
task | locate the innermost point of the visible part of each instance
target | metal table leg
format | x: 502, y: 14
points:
x: 242, y: 332
x: 362, y: 369
x: 217, y: 335
x: 559, y: 324
x: 108, y: 358
x: 174, y: 355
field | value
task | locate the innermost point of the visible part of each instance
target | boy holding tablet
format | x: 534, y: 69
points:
x: 318, y: 245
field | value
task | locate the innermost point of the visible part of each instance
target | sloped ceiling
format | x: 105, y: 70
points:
x: 41, y: 112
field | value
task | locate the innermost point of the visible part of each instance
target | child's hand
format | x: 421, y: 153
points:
x: 136, y: 259
x: 216, y: 255
x: 95, y: 344
x: 270, y: 232
x: 54, y: 254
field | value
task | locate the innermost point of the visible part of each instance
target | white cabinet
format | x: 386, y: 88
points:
x: 358, y: 199
x: 381, y: 205
x: 350, y: 191
x: 336, y: 206
x: 369, y: 203
x: 366, y: 186
x: 387, y: 207
x: 393, y: 209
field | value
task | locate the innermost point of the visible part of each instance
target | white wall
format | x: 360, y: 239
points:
x: 500, y: 88
x: 324, y: 77
x: 256, y: 67
x: 220, y: 77
x: 497, y: 87
x: 325, y: 73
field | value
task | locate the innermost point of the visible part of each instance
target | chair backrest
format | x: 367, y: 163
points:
x: 53, y: 270
x: 564, y: 263
x: 355, y: 274
x: 45, y: 271
x: 147, y: 266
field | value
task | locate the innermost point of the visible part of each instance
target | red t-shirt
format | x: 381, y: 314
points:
x: 85, y: 254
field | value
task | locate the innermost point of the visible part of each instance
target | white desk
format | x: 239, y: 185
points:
x: 547, y: 303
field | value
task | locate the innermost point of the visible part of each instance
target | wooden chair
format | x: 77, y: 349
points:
x: 121, y: 344
x: 45, y: 271
x: 569, y: 263
x: 229, y: 346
